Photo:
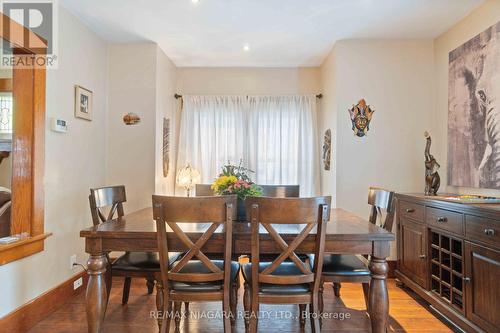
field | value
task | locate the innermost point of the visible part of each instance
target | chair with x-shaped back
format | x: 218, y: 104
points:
x: 131, y: 264
x: 283, y: 281
x: 204, y: 279
x: 339, y: 268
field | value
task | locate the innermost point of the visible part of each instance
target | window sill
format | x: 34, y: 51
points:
x: 22, y: 248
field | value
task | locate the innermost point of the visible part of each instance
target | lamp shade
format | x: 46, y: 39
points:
x: 187, y: 177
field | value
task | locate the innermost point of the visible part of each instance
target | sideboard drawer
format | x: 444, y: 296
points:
x: 445, y: 219
x: 482, y: 229
x: 411, y: 210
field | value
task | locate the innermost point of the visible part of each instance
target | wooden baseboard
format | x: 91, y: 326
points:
x: 393, y: 265
x: 29, y: 314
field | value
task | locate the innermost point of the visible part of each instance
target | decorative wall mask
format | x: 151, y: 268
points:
x: 361, y: 115
x: 473, y: 113
x: 166, y: 146
x: 432, y: 179
x: 327, y: 149
x: 131, y: 119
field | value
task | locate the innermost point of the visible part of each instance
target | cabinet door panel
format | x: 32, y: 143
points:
x: 483, y: 286
x: 414, y: 251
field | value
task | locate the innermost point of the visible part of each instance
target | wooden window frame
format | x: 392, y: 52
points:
x: 28, y: 140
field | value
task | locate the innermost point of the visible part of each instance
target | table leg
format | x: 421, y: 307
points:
x: 379, y: 298
x: 97, y: 294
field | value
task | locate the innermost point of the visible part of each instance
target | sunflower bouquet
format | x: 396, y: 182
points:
x: 235, y: 179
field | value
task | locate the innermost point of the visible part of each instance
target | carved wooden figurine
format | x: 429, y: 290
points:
x: 327, y: 149
x: 432, y: 179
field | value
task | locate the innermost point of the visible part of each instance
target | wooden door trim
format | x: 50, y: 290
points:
x: 29, y: 139
x: 5, y: 85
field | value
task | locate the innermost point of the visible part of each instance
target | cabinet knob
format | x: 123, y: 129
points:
x: 489, y: 232
x: 442, y: 219
x: 466, y: 279
x: 422, y: 256
x: 410, y: 210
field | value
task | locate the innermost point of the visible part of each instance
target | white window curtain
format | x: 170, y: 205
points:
x: 276, y: 136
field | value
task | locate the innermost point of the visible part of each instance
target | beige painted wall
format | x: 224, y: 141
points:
x: 395, y: 78
x: 327, y: 119
x: 251, y: 81
x: 130, y: 158
x: 479, y: 20
x: 166, y: 107
x: 142, y: 80
x: 74, y: 162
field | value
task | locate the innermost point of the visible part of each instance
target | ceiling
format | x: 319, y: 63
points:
x: 279, y: 33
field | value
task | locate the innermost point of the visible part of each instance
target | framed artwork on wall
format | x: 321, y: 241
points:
x: 473, y: 117
x: 166, y: 146
x: 327, y: 149
x: 83, y: 103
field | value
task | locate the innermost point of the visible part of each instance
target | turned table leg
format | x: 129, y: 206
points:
x: 379, y: 298
x: 97, y: 294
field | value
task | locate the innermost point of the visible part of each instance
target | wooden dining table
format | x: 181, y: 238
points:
x: 346, y: 233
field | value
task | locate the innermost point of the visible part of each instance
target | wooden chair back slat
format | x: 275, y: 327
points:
x: 310, y: 212
x: 173, y: 211
x: 281, y: 191
x: 381, y: 201
x: 203, y: 190
x: 288, y: 210
x: 274, y: 191
x: 193, y: 209
x: 109, y: 196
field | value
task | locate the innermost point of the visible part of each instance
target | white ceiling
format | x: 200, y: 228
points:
x: 280, y: 33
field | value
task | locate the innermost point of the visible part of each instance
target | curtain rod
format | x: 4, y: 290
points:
x: 177, y: 96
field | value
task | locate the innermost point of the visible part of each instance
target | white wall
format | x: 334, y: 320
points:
x: 327, y: 119
x: 74, y: 162
x: 130, y: 158
x: 141, y: 80
x: 166, y: 107
x: 395, y: 78
x: 479, y: 20
x: 251, y: 81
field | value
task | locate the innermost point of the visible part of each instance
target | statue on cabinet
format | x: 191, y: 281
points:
x: 432, y: 179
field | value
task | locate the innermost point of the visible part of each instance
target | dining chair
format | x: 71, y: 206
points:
x: 281, y: 191
x: 338, y: 268
x: 203, y: 190
x: 281, y: 281
x: 130, y: 264
x: 275, y: 191
x: 204, y: 279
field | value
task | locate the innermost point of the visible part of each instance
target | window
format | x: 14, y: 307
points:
x: 274, y: 135
x: 5, y: 113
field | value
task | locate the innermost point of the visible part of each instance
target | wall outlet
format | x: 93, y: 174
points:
x: 72, y: 261
x: 77, y: 283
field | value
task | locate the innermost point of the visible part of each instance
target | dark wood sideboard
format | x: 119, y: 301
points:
x: 449, y: 254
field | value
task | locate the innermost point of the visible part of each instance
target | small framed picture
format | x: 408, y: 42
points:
x: 83, y: 103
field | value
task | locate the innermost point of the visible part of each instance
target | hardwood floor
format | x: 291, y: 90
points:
x: 406, y: 314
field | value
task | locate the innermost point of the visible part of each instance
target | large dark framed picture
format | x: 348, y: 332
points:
x: 473, y: 117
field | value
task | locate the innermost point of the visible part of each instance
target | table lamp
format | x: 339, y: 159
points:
x: 187, y: 177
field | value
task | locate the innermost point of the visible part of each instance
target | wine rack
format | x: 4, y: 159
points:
x: 447, y: 269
